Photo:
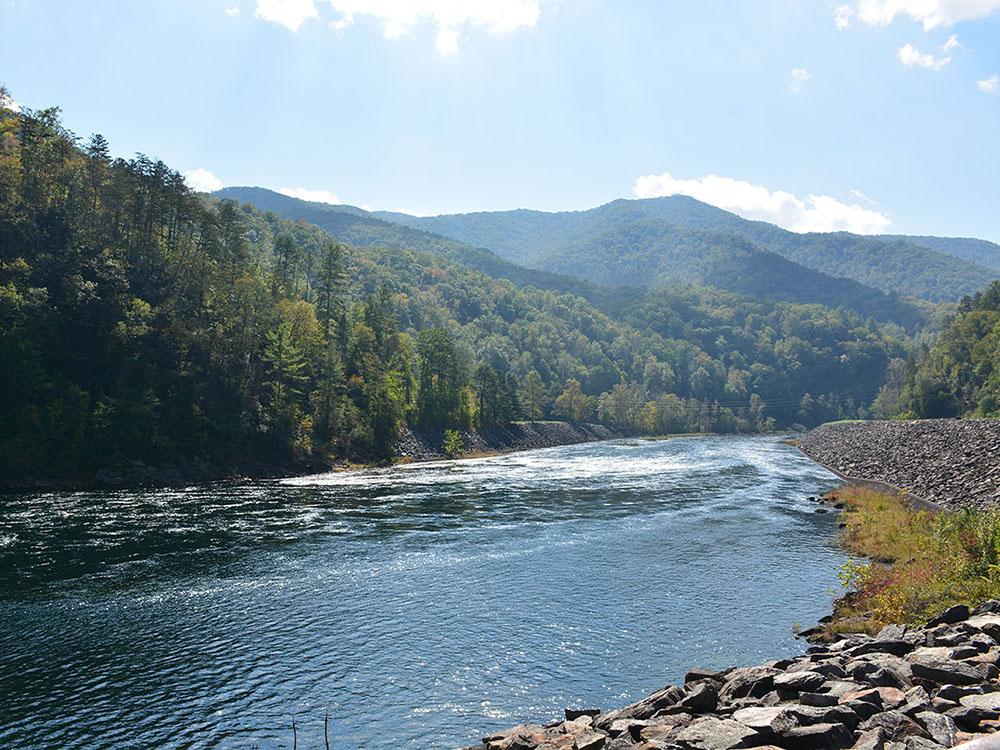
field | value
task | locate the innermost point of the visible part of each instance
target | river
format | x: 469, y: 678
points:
x: 420, y: 606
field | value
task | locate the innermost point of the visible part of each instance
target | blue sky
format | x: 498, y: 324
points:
x: 816, y: 115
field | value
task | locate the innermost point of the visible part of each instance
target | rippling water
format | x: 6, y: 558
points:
x: 421, y: 606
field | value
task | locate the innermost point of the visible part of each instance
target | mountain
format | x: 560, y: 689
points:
x: 365, y: 229
x: 620, y: 245
x: 981, y: 252
x: 928, y: 268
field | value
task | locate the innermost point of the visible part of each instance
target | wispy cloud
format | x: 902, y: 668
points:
x: 931, y: 14
x: 315, y: 196
x: 813, y: 213
x: 911, y: 57
x: 989, y: 85
x: 232, y: 10
x: 800, y: 77
x: 952, y: 43
x: 288, y: 13
x: 202, y: 180
x: 858, y: 194
x: 398, y: 17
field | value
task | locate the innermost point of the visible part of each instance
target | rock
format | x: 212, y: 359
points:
x: 521, y: 737
x: 896, y: 724
x: 988, y: 607
x: 576, y: 713
x: 969, y: 717
x: 900, y: 671
x: 957, y: 692
x: 591, y: 741
x: 710, y: 733
x: 705, y: 674
x: 817, y: 737
x: 889, y: 697
x: 702, y: 698
x: 892, y: 633
x: 818, y: 699
x: 986, y: 623
x: 943, y: 671
x: 766, y: 721
x: 842, y: 687
x: 922, y: 743
x: 958, y: 613
x: 873, y: 739
x: 983, y: 701
x: 643, y: 709
x: 798, y: 681
x: 805, y: 715
x: 941, y: 728
x: 754, y: 681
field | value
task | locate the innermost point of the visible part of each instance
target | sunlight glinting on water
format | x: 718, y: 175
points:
x: 422, y: 605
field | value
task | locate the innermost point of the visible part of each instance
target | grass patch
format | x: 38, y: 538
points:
x: 915, y: 564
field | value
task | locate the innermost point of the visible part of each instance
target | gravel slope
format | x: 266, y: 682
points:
x: 952, y: 462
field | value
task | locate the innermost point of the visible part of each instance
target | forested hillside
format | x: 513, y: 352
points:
x: 142, y: 322
x: 894, y: 265
x: 621, y: 248
x: 959, y: 375
x: 980, y: 252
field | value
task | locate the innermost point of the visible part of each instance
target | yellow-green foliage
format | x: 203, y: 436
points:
x: 917, y: 563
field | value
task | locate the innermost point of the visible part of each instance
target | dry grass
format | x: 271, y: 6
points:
x: 915, y: 563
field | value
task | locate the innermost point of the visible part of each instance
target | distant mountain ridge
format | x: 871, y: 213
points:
x: 932, y: 268
x: 590, y: 253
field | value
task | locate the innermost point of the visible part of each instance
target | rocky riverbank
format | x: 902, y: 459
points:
x: 950, y: 462
x: 903, y: 689
x: 519, y: 436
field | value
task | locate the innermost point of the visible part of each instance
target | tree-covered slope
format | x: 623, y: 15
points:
x: 364, y: 229
x: 140, y: 322
x: 618, y: 245
x: 959, y: 375
x: 981, y: 252
x: 894, y: 265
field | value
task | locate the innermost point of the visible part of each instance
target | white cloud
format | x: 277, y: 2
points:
x: 399, y: 17
x: 911, y: 57
x: 952, y: 43
x: 989, y: 85
x: 447, y: 42
x: 932, y: 14
x: 289, y: 13
x: 842, y: 16
x: 800, y: 76
x: 232, y: 10
x: 202, y: 180
x: 814, y: 213
x: 314, y: 196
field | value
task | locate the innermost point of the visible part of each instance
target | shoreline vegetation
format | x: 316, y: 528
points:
x: 909, y: 564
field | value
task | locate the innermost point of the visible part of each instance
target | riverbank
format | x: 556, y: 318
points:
x: 949, y: 463
x: 903, y: 689
x: 411, y: 446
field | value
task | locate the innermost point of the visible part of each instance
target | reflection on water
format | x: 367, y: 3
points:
x: 421, y: 605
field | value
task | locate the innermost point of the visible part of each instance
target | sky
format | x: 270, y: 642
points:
x: 871, y: 116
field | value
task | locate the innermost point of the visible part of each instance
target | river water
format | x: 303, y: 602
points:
x: 421, y: 606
